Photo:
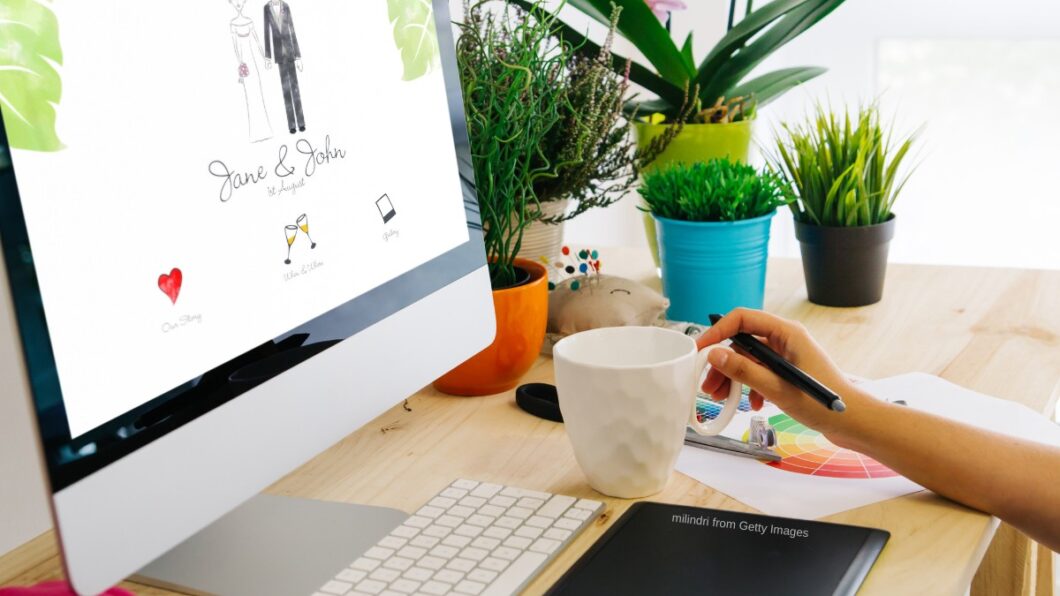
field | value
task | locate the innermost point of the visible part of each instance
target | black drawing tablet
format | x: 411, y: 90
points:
x: 672, y: 549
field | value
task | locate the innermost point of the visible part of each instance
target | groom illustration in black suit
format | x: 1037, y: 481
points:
x: 280, y: 39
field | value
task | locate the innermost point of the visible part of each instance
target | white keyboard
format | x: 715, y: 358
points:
x: 471, y: 538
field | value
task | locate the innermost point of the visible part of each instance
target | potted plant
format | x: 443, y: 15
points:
x: 843, y: 178
x: 507, y: 64
x: 712, y: 221
x: 590, y: 149
x: 712, y: 103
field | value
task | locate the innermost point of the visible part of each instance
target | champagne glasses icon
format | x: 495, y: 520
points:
x: 292, y: 233
x: 303, y: 224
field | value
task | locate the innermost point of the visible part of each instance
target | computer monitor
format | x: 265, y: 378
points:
x: 233, y: 233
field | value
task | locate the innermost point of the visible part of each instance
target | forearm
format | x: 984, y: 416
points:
x: 1014, y: 479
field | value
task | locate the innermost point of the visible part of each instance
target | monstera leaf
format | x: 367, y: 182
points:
x: 414, y: 34
x: 30, y: 87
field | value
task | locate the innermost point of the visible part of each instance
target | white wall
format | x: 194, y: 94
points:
x: 983, y: 193
x: 23, y: 506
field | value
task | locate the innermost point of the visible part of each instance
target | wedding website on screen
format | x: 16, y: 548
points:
x: 221, y: 173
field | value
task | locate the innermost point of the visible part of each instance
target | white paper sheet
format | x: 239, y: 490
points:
x: 779, y: 492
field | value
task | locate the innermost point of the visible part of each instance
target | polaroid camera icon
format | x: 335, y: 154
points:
x: 386, y: 208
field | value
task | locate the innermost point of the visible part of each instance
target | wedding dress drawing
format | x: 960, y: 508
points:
x: 249, y: 54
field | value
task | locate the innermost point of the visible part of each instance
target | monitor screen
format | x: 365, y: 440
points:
x: 199, y: 185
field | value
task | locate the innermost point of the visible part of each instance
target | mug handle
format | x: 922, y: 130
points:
x: 731, y: 404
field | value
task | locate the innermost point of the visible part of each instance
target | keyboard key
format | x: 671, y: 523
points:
x: 370, y: 586
x: 497, y: 532
x: 486, y: 543
x: 459, y: 564
x: 365, y: 564
x: 460, y: 511
x: 378, y: 552
x: 557, y: 534
x: 419, y: 574
x: 351, y: 575
x: 385, y: 575
x: 482, y: 575
x: 491, y: 510
x: 588, y: 504
x: 567, y: 523
x: 336, y: 587
x: 536, y: 521
x: 481, y: 520
x: 486, y: 490
x: 445, y: 551
x: 579, y: 514
x: 556, y: 506
x: 527, y: 532
x: 502, y: 501
x: 405, y: 586
x: 412, y: 552
x: 442, y: 502
x: 508, y: 522
x: 430, y: 562
x: 449, y: 521
x: 520, y: 512
x: 405, y: 531
x: 475, y: 554
x: 513, y: 577
x: 424, y: 541
x: 530, y: 503
x: 493, y: 564
x: 473, y: 502
x: 435, y: 587
x: 457, y: 541
x: 518, y: 542
x: 449, y: 576
x: 430, y: 511
x: 383, y: 593
x: 454, y: 493
x: 469, y: 587
x: 436, y: 531
x: 399, y: 563
x: 507, y: 553
x: 468, y: 530
x: 544, y: 545
x: 393, y: 542
x: 465, y: 484
x: 417, y: 521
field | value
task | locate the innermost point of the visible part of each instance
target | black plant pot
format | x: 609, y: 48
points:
x: 845, y: 266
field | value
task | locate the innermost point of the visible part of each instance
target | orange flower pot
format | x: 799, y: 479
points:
x: 522, y: 314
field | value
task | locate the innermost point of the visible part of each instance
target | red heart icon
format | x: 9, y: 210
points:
x: 170, y: 284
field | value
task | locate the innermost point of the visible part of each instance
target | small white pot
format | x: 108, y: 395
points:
x: 544, y: 240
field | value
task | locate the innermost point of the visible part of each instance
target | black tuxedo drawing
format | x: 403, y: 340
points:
x: 281, y: 46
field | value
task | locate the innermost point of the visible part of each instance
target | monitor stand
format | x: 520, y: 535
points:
x: 272, y: 546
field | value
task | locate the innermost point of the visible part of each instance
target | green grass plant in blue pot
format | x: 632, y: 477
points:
x: 712, y: 221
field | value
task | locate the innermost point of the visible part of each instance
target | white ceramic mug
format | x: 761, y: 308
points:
x: 627, y: 394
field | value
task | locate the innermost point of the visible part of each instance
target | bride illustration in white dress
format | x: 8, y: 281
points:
x: 249, y: 54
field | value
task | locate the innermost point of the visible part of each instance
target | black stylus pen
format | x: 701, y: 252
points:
x: 786, y: 370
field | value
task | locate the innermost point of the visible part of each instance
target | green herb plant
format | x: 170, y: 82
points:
x: 721, y: 80
x: 839, y: 172
x: 508, y: 65
x: 718, y: 190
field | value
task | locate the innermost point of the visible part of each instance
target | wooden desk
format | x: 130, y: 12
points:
x: 996, y: 331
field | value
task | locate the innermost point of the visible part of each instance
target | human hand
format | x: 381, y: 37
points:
x: 298, y: 64
x: 791, y: 340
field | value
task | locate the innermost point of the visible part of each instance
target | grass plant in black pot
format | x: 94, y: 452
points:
x: 712, y: 221
x: 843, y: 175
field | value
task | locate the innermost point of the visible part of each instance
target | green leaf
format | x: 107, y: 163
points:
x: 415, y: 35
x: 30, y: 86
x: 686, y: 49
x: 770, y: 86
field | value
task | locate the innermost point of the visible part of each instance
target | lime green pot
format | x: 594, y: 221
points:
x: 695, y: 143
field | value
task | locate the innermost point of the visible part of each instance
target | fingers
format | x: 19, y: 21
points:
x: 757, y: 401
x: 741, y: 369
x: 743, y: 320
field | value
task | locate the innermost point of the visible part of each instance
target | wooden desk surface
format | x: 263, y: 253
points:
x: 996, y: 331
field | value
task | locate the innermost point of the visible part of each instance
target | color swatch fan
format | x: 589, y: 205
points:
x: 806, y: 451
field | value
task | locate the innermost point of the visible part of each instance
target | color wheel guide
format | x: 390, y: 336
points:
x: 816, y: 478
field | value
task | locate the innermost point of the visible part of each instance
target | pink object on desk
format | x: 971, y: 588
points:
x: 55, y: 588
